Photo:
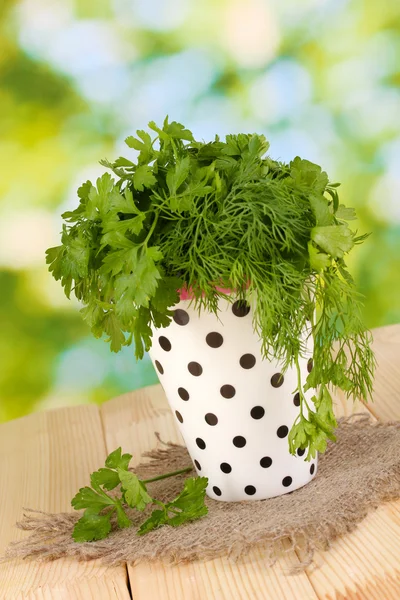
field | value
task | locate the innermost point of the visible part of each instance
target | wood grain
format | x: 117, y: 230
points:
x: 341, y: 572
x: 44, y: 459
x: 130, y: 421
x: 365, y: 564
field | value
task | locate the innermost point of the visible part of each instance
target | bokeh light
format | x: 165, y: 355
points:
x: 320, y: 78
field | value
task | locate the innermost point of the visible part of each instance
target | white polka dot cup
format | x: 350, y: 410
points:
x: 234, y: 409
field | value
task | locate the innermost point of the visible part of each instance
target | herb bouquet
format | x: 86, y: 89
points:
x: 229, y: 267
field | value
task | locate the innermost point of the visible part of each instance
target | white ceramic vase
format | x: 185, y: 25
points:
x: 234, y: 409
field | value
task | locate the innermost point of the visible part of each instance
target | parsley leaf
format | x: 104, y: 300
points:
x: 134, y: 491
x: 96, y: 522
x: 92, y: 527
x: 143, y: 177
x: 318, y: 260
x: 189, y: 505
x: 304, y: 172
x: 113, y: 329
x: 333, y: 239
x: 88, y: 498
x: 177, y: 176
x: 106, y: 477
x: 117, y: 460
x: 345, y: 213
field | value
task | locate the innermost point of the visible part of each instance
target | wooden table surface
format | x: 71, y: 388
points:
x: 46, y: 457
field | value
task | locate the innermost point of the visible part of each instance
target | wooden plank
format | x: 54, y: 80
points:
x: 365, y: 564
x: 130, y: 421
x: 44, y: 459
x: 386, y: 388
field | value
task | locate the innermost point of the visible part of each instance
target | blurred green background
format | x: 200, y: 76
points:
x: 319, y: 77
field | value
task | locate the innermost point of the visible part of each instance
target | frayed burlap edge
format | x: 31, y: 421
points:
x: 355, y: 475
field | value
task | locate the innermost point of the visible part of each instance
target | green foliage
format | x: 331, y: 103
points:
x: 202, y: 215
x: 96, y: 522
x: 188, y: 506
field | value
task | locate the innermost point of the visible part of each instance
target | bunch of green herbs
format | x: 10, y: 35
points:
x: 130, y: 492
x: 182, y: 213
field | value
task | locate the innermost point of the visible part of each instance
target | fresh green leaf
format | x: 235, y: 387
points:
x: 143, y: 177
x: 322, y: 211
x: 177, y: 131
x: 117, y: 460
x: 113, y: 329
x: 135, y: 493
x: 144, y: 145
x: 141, y: 283
x: 188, y: 506
x: 177, y: 176
x: 304, y: 172
x: 95, y: 524
x: 88, y: 498
x: 84, y: 190
x: 142, y: 332
x: 105, y: 477
x: 318, y: 260
x: 92, y: 527
x: 157, y: 519
x: 123, y: 162
x: 99, y: 197
x: 190, y: 501
x: 334, y: 240
x: 344, y: 213
x: 166, y: 294
x: 123, y: 520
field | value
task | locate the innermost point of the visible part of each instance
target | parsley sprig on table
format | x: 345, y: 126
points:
x: 95, y: 524
x: 180, y: 212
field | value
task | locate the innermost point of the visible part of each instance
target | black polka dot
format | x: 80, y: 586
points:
x: 181, y: 317
x: 214, y: 339
x: 195, y: 368
x: 164, y: 343
x: 282, y: 431
x: 266, y: 462
x: 277, y: 380
x: 211, y: 419
x: 184, y: 394
x: 296, y: 399
x: 159, y: 367
x: 179, y: 416
x: 312, y: 469
x: 225, y: 467
x: 310, y: 365
x: 300, y: 451
x: 227, y: 391
x: 250, y: 490
x: 239, y: 441
x: 286, y: 481
x: 217, y: 491
x: 240, y: 308
x: 247, y: 361
x: 201, y: 443
x: 257, y: 412
x: 198, y: 465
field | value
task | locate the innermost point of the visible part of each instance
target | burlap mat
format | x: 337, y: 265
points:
x: 356, y: 474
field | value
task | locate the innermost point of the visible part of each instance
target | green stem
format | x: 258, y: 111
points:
x: 151, y: 230
x: 172, y: 474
